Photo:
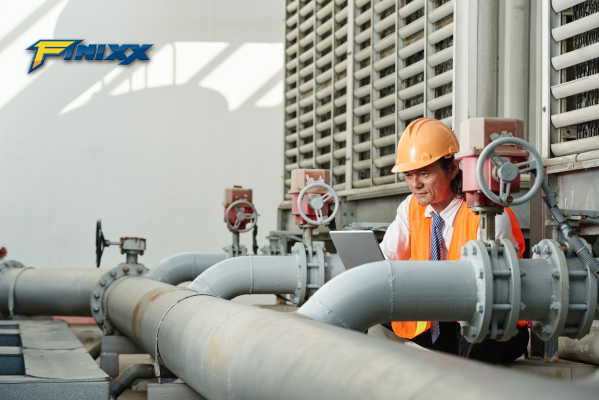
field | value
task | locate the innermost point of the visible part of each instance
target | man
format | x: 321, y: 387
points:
x: 433, y: 223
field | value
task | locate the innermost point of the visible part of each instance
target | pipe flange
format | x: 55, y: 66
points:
x: 302, y: 274
x: 509, y: 323
x: 96, y: 301
x: 553, y: 325
x: 581, y: 309
x: 475, y: 330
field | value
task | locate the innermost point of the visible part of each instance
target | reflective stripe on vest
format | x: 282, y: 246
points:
x: 465, y: 229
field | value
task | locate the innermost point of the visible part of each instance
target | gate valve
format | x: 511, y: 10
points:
x: 317, y: 203
x: 241, y: 216
x: 311, y: 197
x: 131, y: 246
x: 506, y: 172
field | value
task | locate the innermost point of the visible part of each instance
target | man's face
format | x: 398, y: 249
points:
x: 430, y: 184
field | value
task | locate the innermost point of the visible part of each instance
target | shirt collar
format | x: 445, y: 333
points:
x: 449, y: 213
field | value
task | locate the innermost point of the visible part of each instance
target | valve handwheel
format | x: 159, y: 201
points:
x: 317, y: 204
x: 241, y: 216
x: 507, y: 171
x: 101, y: 243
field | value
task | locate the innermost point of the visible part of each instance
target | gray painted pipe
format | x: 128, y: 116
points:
x: 249, y: 275
x: 183, y: 267
x: 256, y: 275
x: 396, y: 291
x: 226, y: 350
x: 417, y: 291
x: 584, y: 350
x: 50, y: 291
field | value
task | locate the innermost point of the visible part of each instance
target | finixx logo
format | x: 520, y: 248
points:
x: 94, y: 52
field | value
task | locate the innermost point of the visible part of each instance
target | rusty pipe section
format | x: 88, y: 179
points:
x: 49, y: 291
x: 249, y: 275
x: 183, y: 267
x: 396, y: 291
x: 227, y: 350
x: 584, y: 350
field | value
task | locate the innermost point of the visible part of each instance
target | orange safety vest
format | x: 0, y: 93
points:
x: 465, y: 229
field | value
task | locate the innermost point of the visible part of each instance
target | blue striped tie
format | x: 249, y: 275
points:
x: 436, y: 236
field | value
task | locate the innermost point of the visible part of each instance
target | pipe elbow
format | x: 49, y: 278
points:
x: 395, y: 291
x: 248, y: 275
x: 183, y: 267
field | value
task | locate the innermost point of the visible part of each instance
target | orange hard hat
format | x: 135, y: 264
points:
x: 424, y: 141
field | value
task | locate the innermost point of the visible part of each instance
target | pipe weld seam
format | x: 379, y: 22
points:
x: 156, y: 350
x: 330, y: 312
x: 251, y: 275
x: 209, y: 286
x: 11, y: 293
x: 392, y: 285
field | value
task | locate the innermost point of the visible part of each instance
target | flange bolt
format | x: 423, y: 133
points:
x: 96, y: 295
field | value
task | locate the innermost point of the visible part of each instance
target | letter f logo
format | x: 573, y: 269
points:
x: 45, y: 48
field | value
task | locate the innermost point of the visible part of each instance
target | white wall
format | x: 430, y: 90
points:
x: 148, y: 147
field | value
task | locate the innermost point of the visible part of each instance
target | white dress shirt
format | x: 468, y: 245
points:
x: 396, y: 243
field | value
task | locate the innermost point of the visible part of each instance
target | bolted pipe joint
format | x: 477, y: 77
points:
x: 489, y: 290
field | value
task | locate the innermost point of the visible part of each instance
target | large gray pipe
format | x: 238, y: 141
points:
x: 183, y: 267
x: 50, y: 291
x: 257, y: 275
x: 417, y: 291
x: 227, y: 350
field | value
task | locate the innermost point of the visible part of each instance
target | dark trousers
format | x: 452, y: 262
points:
x: 451, y: 341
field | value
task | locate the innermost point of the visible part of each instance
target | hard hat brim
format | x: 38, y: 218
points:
x: 414, y: 165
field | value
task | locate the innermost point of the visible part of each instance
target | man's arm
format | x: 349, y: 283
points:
x: 396, y: 243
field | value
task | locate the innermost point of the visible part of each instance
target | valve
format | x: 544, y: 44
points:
x: 240, y: 216
x: 506, y: 172
x: 131, y: 246
x: 317, y: 203
x: 311, y: 198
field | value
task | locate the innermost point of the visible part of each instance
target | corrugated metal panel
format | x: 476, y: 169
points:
x: 394, y: 58
x: 572, y: 77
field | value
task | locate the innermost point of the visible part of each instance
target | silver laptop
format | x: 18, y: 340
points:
x: 357, y: 247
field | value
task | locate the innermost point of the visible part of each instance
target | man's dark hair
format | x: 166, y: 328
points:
x: 447, y: 166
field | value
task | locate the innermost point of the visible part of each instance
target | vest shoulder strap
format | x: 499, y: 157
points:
x: 420, y: 232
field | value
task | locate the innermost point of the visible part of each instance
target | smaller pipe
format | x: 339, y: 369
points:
x: 133, y: 373
x: 584, y: 350
x: 130, y: 375
x: 95, y: 351
x: 183, y: 267
x: 249, y: 275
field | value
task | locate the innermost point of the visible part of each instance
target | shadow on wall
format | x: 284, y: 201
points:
x: 147, y: 147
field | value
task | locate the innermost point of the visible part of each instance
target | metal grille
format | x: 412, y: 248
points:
x: 357, y: 73
x: 574, y: 81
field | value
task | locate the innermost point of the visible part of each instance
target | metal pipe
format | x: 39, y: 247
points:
x: 396, y: 291
x: 257, y: 275
x: 130, y: 375
x: 227, y: 350
x: 183, y: 267
x: 585, y: 349
x: 417, y: 291
x: 516, y: 59
x: 249, y: 275
x: 487, y: 59
x: 50, y: 291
